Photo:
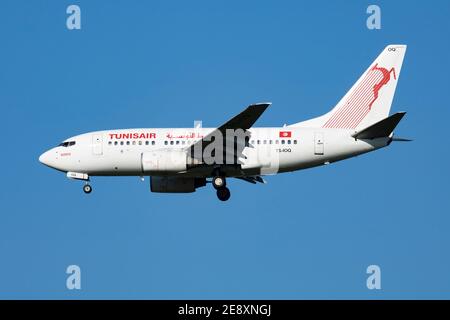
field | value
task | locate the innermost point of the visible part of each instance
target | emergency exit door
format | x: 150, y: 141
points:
x: 318, y: 143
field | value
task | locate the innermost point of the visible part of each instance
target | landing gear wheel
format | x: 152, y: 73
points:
x: 223, y: 193
x: 87, y: 188
x: 219, y: 182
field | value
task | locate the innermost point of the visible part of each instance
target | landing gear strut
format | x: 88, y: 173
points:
x: 87, y: 188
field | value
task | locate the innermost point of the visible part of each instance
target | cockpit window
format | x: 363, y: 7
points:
x: 67, y: 144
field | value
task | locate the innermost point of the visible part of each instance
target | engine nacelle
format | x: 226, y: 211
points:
x: 164, y: 161
x: 175, y: 184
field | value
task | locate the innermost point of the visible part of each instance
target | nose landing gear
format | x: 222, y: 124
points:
x: 83, y: 177
x: 87, y: 188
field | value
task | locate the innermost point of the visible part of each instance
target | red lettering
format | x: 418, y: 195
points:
x: 134, y: 135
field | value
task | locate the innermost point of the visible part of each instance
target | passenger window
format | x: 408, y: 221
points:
x: 178, y: 142
x: 115, y: 143
x: 264, y: 142
x: 121, y: 143
x: 110, y: 142
x: 128, y: 143
x: 165, y: 142
x: 295, y: 141
x: 171, y: 142
x: 289, y: 141
x: 252, y: 142
x: 183, y: 142
x: 153, y: 142
x: 282, y: 141
x: 258, y: 142
x: 146, y: 143
x: 140, y: 143
x: 134, y: 143
x: 270, y: 141
x: 276, y: 141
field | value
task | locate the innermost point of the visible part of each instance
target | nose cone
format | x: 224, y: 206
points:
x: 48, y: 159
x: 43, y: 158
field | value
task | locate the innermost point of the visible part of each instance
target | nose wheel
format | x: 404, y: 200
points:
x: 87, y: 188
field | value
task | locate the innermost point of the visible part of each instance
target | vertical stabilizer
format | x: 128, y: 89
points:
x: 370, y: 98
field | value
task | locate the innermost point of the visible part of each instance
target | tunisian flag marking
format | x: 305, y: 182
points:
x: 285, y: 134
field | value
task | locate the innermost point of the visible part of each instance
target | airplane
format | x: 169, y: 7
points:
x: 180, y: 160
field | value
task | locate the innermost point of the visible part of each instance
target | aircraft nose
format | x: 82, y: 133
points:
x: 43, y: 158
x: 46, y: 158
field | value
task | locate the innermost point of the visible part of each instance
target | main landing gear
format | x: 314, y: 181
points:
x: 87, y: 188
x: 223, y: 194
x: 219, y: 183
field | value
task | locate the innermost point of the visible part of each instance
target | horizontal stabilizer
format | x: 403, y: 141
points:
x: 380, y: 129
x: 401, y: 139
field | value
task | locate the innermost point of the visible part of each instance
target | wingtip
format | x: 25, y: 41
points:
x: 397, y: 46
x: 400, y: 114
x: 261, y: 104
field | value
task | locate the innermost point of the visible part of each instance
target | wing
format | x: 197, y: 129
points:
x: 252, y: 179
x: 243, y: 121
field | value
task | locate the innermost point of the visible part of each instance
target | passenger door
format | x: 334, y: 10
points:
x: 318, y: 143
x: 97, y: 144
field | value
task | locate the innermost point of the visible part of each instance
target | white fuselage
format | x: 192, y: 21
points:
x: 183, y: 159
x: 119, y: 152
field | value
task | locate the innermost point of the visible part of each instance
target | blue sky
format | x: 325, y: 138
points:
x: 308, y: 234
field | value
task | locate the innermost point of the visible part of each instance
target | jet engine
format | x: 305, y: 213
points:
x: 164, y: 161
x: 175, y: 184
